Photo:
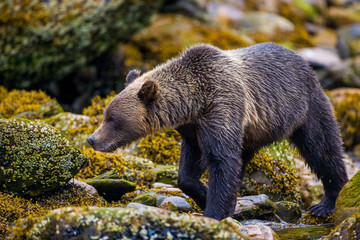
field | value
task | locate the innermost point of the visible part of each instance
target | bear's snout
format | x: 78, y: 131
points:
x: 91, y: 140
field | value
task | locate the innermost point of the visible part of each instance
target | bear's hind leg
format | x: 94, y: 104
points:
x: 190, y: 172
x: 319, y: 142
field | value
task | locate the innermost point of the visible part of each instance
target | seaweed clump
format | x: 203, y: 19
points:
x: 346, y: 102
x: 35, y: 158
x: 27, y: 104
x: 272, y: 177
x: 161, y: 147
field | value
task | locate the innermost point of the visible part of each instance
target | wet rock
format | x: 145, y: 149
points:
x: 111, y: 223
x: 148, y: 199
x: 258, y: 232
x: 176, y: 203
x: 250, y: 207
x: 161, y: 185
x: 166, y: 174
x: 349, y: 41
x: 35, y: 158
x: 288, y: 211
x: 73, y: 126
x: 87, y: 188
x: 348, y: 201
x: 349, y: 229
x: 112, y: 189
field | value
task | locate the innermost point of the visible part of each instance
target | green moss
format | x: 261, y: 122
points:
x: 166, y: 174
x: 349, y: 229
x: 283, y: 151
x: 37, y: 37
x: 280, y: 181
x: 148, y: 199
x: 35, y: 158
x: 309, y: 219
x: 346, y: 102
x: 28, y: 104
x: 161, y: 147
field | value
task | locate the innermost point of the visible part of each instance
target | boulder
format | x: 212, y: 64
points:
x: 112, y: 189
x: 251, y: 207
x: 121, y: 223
x: 148, y: 199
x: 348, y: 201
x: 288, y: 211
x: 349, y: 229
x: 35, y: 158
x: 176, y: 203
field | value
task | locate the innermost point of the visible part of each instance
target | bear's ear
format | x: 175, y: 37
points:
x: 148, y: 91
x: 132, y: 75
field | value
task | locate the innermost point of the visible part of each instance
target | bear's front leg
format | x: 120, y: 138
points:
x: 222, y: 156
x: 190, y: 172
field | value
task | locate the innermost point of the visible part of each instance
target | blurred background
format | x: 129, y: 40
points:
x: 77, y: 49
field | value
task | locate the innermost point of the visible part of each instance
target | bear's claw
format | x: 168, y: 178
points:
x: 323, y: 209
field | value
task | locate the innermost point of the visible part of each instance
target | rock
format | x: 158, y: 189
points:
x: 338, y: 17
x: 176, y: 204
x: 346, y: 102
x: 348, y: 201
x: 250, y: 207
x: 270, y: 176
x: 161, y: 185
x: 167, y: 174
x: 288, y: 211
x: 35, y: 158
x: 258, y: 232
x: 148, y: 199
x: 88, y: 188
x: 268, y: 24
x: 137, y: 206
x: 349, y: 41
x: 28, y: 104
x: 121, y: 223
x: 112, y: 189
x: 224, y: 13
x: 74, y: 126
x: 320, y: 57
x: 349, y: 229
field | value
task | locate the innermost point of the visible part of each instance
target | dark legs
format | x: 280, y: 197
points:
x: 319, y: 142
x: 190, y: 172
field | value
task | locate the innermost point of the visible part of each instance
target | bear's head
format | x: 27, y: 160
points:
x: 126, y: 118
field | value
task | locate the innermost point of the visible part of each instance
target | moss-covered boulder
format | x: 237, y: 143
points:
x: 270, y: 176
x: 35, y: 158
x: 119, y: 223
x: 288, y: 211
x: 250, y: 207
x: 28, y: 104
x: 148, y: 199
x: 346, y: 102
x: 348, y: 201
x: 112, y: 189
x: 37, y: 36
x: 349, y: 229
x: 167, y: 174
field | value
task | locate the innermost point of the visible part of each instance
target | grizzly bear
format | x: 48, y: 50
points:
x: 227, y: 105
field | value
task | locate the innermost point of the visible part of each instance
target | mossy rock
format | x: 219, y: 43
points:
x: 349, y: 229
x: 267, y: 175
x: 28, y: 104
x: 166, y: 174
x: 348, y: 201
x: 288, y: 211
x: 148, y: 199
x: 74, y: 126
x: 346, y: 102
x: 251, y: 207
x: 126, y: 223
x: 169, y: 34
x: 112, y: 189
x: 37, y: 36
x: 35, y: 158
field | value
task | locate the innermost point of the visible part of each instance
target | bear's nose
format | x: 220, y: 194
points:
x: 91, y: 140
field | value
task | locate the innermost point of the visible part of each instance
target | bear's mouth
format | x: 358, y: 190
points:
x: 112, y: 147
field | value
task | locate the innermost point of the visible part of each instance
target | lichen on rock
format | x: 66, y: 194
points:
x: 35, y: 158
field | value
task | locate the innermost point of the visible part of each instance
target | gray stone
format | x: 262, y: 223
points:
x: 180, y: 203
x: 320, y: 57
x: 250, y: 207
